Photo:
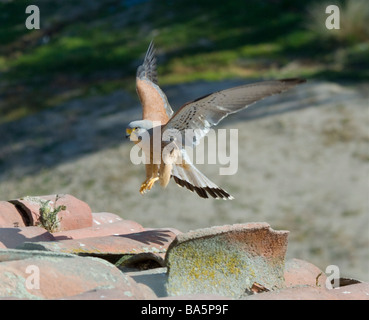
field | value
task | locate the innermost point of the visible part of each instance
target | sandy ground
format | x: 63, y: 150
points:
x: 303, y: 166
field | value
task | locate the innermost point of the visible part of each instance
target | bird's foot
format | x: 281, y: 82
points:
x: 148, y: 184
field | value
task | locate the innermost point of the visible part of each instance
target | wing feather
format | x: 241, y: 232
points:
x: 203, y: 113
x: 155, y: 105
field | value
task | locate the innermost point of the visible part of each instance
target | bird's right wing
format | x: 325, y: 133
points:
x: 201, y: 114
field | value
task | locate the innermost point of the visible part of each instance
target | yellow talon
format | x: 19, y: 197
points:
x: 143, y: 188
x: 148, y: 184
x: 151, y: 182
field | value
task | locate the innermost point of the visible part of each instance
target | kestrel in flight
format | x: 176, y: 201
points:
x: 199, y: 115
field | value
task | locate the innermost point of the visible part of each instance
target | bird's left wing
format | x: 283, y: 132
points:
x: 155, y: 105
x: 201, y: 114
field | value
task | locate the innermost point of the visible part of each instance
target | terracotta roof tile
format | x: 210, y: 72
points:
x: 13, y: 237
x: 99, y: 218
x: 77, y: 214
x: 10, y: 216
x: 226, y: 260
x: 352, y: 292
x: 62, y: 276
x: 300, y: 272
x: 135, y: 291
x: 118, y: 227
x: 112, y: 248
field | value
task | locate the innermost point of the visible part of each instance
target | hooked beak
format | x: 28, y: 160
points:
x: 128, y: 132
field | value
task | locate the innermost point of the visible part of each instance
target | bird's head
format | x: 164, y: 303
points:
x: 136, y: 129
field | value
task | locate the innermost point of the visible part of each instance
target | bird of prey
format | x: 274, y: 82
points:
x: 198, y: 115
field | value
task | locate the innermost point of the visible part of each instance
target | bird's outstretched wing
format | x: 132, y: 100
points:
x: 155, y: 105
x: 203, y: 113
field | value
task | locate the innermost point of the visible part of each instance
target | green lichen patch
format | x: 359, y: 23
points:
x: 216, y: 266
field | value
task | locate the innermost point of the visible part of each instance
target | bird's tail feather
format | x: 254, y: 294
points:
x: 191, y: 178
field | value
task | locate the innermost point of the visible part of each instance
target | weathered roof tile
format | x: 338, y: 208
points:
x: 300, y: 272
x: 10, y: 216
x: 77, y: 214
x: 13, y: 237
x: 226, y: 260
x: 106, y: 229
x: 99, y: 218
x: 112, y: 248
x: 352, y: 292
x: 44, y: 276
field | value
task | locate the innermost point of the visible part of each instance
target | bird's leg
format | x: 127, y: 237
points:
x: 151, y: 178
x: 169, y: 158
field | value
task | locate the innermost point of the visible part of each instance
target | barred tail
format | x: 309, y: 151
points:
x: 191, y: 178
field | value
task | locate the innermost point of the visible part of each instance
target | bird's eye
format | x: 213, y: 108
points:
x: 136, y: 128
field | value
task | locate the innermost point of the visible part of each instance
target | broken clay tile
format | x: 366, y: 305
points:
x: 10, y: 216
x: 113, y: 247
x: 99, y: 218
x: 55, y: 277
x: 358, y: 291
x: 300, y: 272
x: 106, y: 229
x: 77, y: 214
x: 226, y: 260
x: 13, y: 237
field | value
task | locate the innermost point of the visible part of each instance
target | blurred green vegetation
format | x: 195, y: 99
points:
x: 90, y: 47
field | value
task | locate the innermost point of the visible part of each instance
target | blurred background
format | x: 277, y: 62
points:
x: 67, y: 92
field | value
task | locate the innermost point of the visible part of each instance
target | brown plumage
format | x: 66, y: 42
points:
x: 155, y: 106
